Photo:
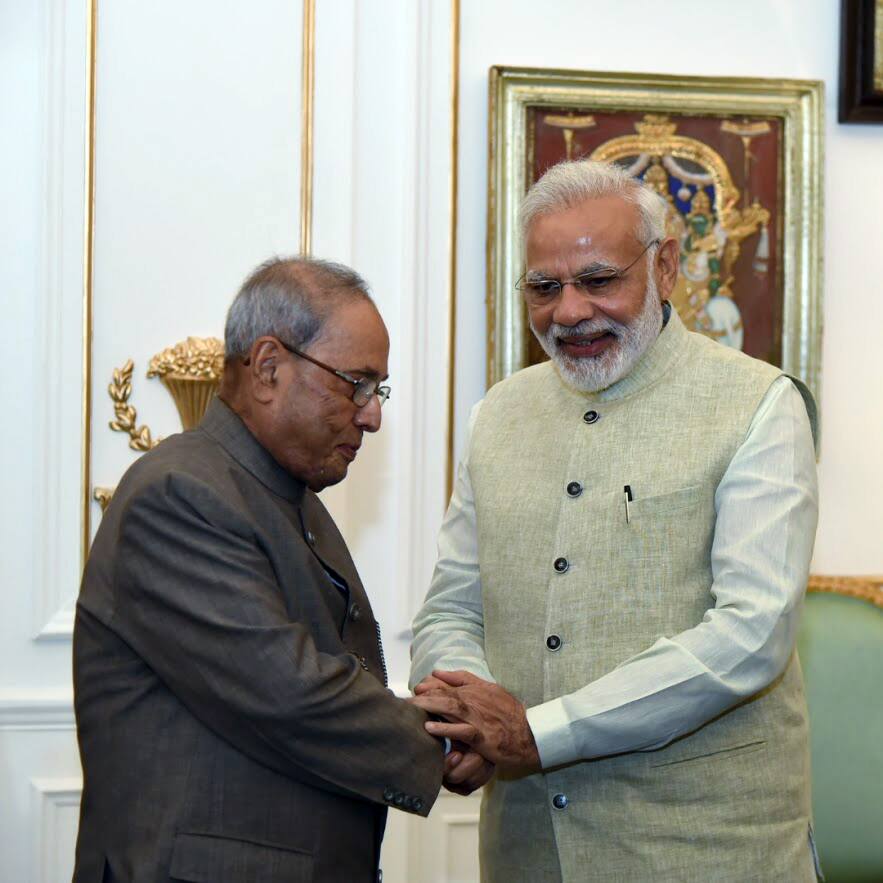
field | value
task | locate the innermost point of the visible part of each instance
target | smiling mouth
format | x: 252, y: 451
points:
x: 587, y: 344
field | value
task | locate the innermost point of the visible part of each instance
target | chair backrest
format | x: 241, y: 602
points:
x: 841, y: 650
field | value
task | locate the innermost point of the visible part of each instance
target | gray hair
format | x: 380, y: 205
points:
x: 569, y: 183
x: 288, y: 298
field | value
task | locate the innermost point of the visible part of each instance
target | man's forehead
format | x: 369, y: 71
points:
x: 597, y: 229
x: 355, y: 337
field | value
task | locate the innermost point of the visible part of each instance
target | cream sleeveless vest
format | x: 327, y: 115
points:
x: 729, y: 802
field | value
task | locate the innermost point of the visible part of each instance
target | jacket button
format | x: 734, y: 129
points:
x: 574, y: 489
x: 417, y: 804
x: 553, y: 642
x: 399, y: 798
x: 355, y: 613
x: 591, y: 416
x: 388, y: 795
x: 310, y: 537
x: 559, y: 801
x: 561, y: 565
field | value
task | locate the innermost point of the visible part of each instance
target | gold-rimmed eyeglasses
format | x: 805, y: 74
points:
x: 538, y: 289
x: 364, y: 388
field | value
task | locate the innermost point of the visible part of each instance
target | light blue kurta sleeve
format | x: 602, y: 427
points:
x: 767, y: 509
x: 449, y: 629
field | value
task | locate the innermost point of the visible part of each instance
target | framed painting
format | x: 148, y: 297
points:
x: 739, y: 164
x: 861, y: 62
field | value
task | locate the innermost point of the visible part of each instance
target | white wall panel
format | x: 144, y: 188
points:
x: 39, y: 784
x: 382, y: 156
x: 197, y: 181
x: 57, y: 814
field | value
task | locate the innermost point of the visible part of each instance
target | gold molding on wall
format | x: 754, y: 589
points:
x: 452, y: 239
x: 88, y: 260
x: 308, y: 90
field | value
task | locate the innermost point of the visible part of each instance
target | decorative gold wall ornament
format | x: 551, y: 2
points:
x: 125, y: 415
x: 191, y: 371
x: 103, y: 496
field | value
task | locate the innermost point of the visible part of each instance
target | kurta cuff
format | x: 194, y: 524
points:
x: 552, y: 731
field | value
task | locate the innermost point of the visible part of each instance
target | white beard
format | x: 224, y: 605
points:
x: 594, y: 373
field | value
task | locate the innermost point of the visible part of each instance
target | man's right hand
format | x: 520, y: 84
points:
x: 466, y: 770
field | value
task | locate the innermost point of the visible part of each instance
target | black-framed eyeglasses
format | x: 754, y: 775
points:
x: 364, y: 387
x: 539, y: 290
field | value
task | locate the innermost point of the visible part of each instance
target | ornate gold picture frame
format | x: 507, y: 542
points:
x: 739, y: 162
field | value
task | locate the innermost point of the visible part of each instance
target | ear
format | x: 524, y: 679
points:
x: 667, y: 263
x: 262, y: 366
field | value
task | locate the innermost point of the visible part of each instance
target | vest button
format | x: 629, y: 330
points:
x: 561, y: 565
x: 574, y: 489
x: 355, y: 613
x: 310, y: 538
x: 559, y: 801
x: 553, y: 642
x: 591, y: 416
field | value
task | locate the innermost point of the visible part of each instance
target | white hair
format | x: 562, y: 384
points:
x: 570, y: 183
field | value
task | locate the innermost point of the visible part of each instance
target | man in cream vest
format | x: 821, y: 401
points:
x: 612, y: 617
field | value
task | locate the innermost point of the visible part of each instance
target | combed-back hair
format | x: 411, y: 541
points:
x: 288, y: 298
x: 569, y: 183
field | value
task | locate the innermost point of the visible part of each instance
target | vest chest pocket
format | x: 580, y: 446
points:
x: 661, y: 551
x: 644, y: 510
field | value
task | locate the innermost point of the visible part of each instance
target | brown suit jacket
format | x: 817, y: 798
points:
x: 231, y: 711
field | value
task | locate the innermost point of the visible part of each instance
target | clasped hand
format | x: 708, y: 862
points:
x: 487, y: 726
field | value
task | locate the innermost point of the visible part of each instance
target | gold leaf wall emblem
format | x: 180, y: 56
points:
x: 125, y: 415
x: 190, y: 370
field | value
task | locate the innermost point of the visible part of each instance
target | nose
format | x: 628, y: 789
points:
x: 368, y: 416
x: 572, y: 306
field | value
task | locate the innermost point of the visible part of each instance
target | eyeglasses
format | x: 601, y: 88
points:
x: 364, y: 387
x: 542, y: 290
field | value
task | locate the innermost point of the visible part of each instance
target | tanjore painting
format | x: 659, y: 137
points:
x: 738, y: 163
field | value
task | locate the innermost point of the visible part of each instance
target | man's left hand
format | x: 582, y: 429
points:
x: 482, y: 715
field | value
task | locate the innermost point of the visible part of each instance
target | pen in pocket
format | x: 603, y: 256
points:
x: 627, y: 490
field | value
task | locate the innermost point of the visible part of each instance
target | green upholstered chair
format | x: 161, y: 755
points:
x: 841, y: 650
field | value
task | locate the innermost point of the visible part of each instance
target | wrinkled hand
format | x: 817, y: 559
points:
x: 481, y: 715
x: 466, y: 770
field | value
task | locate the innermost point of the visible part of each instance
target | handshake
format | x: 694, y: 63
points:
x: 487, y: 727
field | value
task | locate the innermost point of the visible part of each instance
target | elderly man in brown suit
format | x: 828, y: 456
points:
x: 232, y: 714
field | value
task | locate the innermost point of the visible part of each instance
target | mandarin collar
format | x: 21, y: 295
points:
x: 227, y: 429
x: 661, y: 356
